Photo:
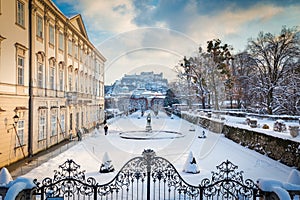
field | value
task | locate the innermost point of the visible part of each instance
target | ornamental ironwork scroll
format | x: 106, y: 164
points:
x: 228, y: 183
x: 146, y: 177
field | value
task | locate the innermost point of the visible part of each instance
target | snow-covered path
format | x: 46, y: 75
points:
x: 208, y: 152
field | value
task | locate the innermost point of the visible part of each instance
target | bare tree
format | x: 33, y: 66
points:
x: 241, y: 72
x: 273, y: 55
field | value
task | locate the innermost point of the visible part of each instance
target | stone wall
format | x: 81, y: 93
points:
x: 283, y: 150
x: 213, y: 125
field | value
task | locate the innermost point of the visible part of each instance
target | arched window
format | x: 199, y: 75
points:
x: 81, y: 81
x: 76, y: 80
x: 61, y: 76
x: 86, y: 83
x: 70, y: 78
x: 52, y: 73
x: 40, y: 69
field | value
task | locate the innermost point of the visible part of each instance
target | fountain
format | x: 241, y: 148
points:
x: 148, y: 125
x: 149, y: 134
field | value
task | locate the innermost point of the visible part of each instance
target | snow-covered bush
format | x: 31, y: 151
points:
x: 190, y: 165
x: 106, y: 165
x: 279, y: 126
x: 5, y: 177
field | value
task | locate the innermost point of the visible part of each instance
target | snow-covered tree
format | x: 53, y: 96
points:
x: 219, y: 72
x: 241, y: 72
x: 274, y: 56
x: 207, y: 74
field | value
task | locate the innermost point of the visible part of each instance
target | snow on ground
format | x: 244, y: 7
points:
x: 209, y: 152
x: 240, y: 122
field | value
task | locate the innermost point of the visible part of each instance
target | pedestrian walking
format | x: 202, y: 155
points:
x: 105, y: 129
x: 79, y: 135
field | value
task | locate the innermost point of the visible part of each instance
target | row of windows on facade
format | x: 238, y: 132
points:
x: 83, y: 82
x: 20, y: 137
x: 89, y: 61
x: 72, y: 48
x: 57, y: 125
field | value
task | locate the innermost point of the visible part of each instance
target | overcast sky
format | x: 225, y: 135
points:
x: 153, y: 35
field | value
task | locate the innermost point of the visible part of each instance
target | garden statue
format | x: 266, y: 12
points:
x: 148, y: 126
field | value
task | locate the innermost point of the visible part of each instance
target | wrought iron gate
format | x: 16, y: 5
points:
x: 146, y: 177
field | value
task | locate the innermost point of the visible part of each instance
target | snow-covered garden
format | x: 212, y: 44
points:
x: 97, y: 150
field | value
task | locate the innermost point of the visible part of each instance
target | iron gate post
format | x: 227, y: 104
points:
x: 148, y: 155
x: 201, y: 193
x: 148, y: 183
x: 95, y: 192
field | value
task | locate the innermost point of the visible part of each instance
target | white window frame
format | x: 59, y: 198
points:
x: 70, y: 47
x: 42, y: 127
x: 76, y: 81
x: 62, y: 122
x: 20, y: 69
x: 53, y: 124
x: 20, y: 132
x: 61, y: 79
x: 40, y: 75
x: 61, y: 41
x: 52, y: 76
x: 51, y: 35
x: 76, y: 51
x: 70, y: 80
x: 39, y: 26
x: 20, y: 13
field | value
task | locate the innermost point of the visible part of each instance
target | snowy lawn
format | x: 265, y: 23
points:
x: 209, y: 152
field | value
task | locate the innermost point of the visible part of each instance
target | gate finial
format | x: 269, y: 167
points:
x: 148, y: 154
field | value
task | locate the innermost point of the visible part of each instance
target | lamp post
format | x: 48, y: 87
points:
x: 16, y: 120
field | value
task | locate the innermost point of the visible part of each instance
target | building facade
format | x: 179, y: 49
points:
x: 51, y: 77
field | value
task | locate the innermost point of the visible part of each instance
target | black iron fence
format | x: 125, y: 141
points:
x: 146, y: 177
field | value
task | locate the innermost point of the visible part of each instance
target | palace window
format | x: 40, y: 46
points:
x: 20, y: 70
x: 70, y: 45
x: 20, y: 13
x: 20, y: 133
x: 70, y: 79
x: 39, y: 26
x: 51, y: 35
x: 42, y: 127
x: 81, y: 82
x: 52, y: 75
x: 76, y: 81
x: 61, y: 79
x: 62, y: 123
x: 81, y: 54
x: 40, y: 77
x: 76, y: 51
x: 53, y: 124
x: 61, y: 41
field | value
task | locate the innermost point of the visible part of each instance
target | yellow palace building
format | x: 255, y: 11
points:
x: 51, y: 78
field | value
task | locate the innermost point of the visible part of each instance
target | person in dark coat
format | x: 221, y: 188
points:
x: 105, y: 129
x: 79, y: 135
